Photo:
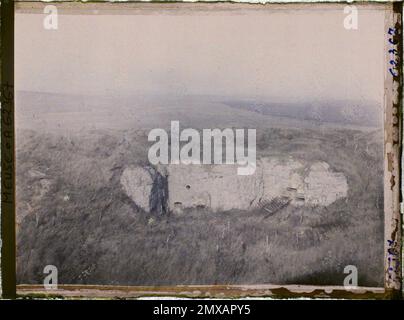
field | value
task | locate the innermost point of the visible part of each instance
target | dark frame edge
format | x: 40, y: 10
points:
x: 8, y: 232
x: 393, y: 156
x: 398, y: 8
x: 8, y: 248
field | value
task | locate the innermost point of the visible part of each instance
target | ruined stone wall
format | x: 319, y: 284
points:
x: 173, y: 188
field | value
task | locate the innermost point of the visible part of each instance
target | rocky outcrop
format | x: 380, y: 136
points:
x: 275, y: 183
x: 147, y: 187
x: 322, y: 186
x: 303, y: 183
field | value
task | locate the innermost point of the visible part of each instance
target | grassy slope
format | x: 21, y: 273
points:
x: 86, y: 226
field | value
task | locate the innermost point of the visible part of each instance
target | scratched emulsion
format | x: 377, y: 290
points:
x: 90, y: 203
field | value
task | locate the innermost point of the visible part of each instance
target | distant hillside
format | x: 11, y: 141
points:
x: 361, y: 113
x: 55, y: 111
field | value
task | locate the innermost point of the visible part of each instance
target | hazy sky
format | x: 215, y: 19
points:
x: 301, y: 54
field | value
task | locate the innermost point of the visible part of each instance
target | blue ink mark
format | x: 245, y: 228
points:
x: 393, y: 74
